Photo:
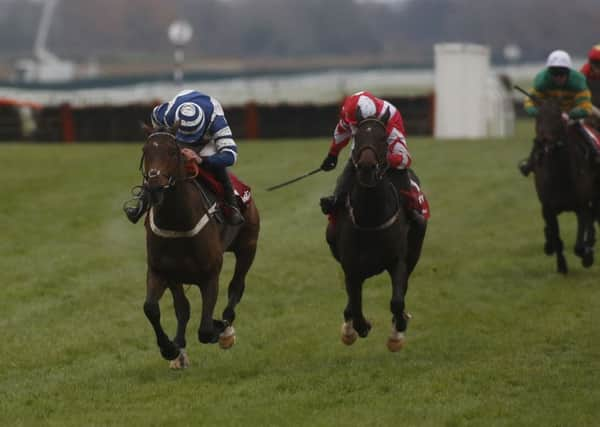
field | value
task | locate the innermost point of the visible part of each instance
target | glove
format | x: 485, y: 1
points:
x: 329, y: 163
x: 532, y: 111
x: 577, y: 113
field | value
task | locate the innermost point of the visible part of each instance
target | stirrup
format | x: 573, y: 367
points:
x: 135, y: 207
x: 328, y: 204
x: 524, y: 168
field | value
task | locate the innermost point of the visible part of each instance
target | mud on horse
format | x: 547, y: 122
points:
x: 185, y: 243
x: 372, y: 234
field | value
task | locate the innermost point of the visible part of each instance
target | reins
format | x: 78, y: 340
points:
x: 380, y: 170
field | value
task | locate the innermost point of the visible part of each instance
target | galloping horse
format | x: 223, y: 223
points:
x: 565, y: 181
x: 373, y: 234
x: 185, y: 244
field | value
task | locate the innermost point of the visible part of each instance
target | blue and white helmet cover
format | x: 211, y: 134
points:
x: 191, y: 122
x: 194, y: 111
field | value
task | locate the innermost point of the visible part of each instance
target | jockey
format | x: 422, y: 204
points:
x: 568, y: 86
x: 207, y: 138
x: 398, y: 157
x: 591, y: 69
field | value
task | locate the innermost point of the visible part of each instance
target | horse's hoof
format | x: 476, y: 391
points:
x: 587, y: 260
x: 349, y: 334
x: 170, y: 352
x: 396, y: 341
x: 227, y: 338
x: 363, y: 328
x: 181, y: 362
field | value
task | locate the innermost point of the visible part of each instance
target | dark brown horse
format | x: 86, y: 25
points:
x: 565, y: 181
x: 373, y: 235
x: 185, y: 245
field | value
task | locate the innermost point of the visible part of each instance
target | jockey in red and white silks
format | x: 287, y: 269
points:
x: 371, y: 106
x: 399, y: 159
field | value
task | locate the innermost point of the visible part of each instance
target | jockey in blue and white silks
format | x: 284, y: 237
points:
x: 207, y: 139
x: 202, y: 126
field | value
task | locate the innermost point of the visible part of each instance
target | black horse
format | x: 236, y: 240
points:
x: 185, y: 243
x: 373, y: 234
x: 565, y: 181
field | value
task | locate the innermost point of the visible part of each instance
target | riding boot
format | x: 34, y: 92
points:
x: 232, y: 213
x: 331, y: 203
x: 401, y: 181
x: 137, y: 206
x: 526, y: 165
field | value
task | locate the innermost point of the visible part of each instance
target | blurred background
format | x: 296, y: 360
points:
x: 88, y: 70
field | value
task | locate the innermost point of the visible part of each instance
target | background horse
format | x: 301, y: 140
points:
x: 373, y: 234
x: 565, y: 180
x: 185, y: 244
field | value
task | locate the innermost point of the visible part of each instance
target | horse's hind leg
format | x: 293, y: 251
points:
x: 182, y: 312
x: 244, y: 257
x: 209, y: 330
x: 586, y: 237
x: 553, y: 242
x: 155, y: 288
x: 235, y: 291
x: 415, y: 238
x: 245, y: 251
x: 399, y: 276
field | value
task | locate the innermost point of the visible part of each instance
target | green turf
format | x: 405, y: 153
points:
x: 497, y: 339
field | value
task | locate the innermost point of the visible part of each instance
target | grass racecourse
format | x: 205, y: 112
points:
x: 497, y: 337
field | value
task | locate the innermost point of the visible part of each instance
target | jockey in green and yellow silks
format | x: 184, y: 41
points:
x: 561, y: 82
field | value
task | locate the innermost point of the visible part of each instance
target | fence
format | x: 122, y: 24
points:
x: 122, y: 123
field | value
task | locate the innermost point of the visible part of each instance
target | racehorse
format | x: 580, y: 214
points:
x: 373, y: 234
x: 565, y: 181
x: 185, y: 243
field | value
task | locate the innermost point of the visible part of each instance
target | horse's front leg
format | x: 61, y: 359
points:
x: 354, y: 320
x: 553, y: 242
x: 586, y: 237
x: 399, y: 276
x: 155, y: 288
x: 182, y: 312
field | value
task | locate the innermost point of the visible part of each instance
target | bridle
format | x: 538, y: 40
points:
x: 381, y: 167
x: 558, y: 135
x: 154, y: 172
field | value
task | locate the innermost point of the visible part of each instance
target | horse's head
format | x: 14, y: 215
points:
x: 161, y: 163
x: 370, y: 149
x: 550, y: 127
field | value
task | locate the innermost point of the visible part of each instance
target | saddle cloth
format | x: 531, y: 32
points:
x: 592, y: 135
x: 418, y: 201
x: 240, y: 189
